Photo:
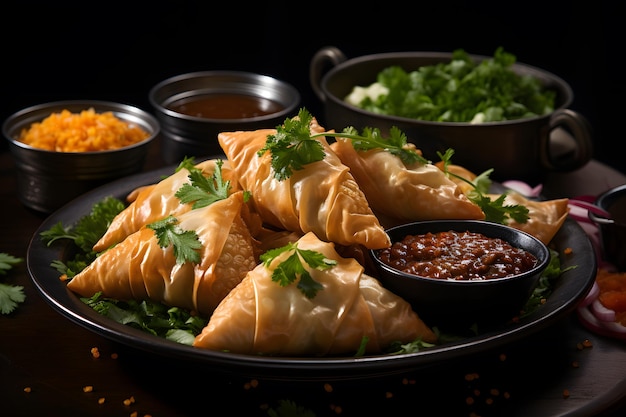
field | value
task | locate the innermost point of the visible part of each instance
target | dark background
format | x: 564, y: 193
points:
x: 118, y: 50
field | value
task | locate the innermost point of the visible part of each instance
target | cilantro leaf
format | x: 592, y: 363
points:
x: 10, y: 295
x: 292, y: 268
x: 460, y: 90
x: 7, y: 262
x: 89, y: 229
x: 185, y: 243
x: 292, y: 147
x: 371, y: 138
x: 495, y: 210
x: 154, y: 317
x: 202, y: 191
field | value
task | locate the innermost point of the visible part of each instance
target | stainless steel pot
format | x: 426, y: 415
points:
x: 523, y: 149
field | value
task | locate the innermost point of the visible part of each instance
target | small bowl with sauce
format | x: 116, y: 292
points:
x: 612, y: 228
x: 194, y: 107
x: 460, y: 273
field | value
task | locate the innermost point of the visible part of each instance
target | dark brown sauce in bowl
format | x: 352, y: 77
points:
x: 226, y: 106
x: 456, y: 255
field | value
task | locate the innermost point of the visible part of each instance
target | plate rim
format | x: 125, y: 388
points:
x: 569, y: 289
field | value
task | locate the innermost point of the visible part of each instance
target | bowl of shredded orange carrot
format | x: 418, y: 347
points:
x: 64, y: 149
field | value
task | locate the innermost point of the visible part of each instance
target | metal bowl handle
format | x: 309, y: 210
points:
x: 319, y: 66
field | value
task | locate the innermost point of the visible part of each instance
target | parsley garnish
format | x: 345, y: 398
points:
x: 10, y: 295
x: 84, y: 234
x: 292, y: 268
x: 172, y: 323
x: 184, y: 242
x: 203, y: 191
x: 293, y: 146
x: 495, y: 210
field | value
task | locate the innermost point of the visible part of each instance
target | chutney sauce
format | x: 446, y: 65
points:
x: 225, y: 106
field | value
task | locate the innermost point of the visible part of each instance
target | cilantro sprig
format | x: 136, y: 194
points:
x: 293, y: 146
x: 495, y: 210
x: 185, y: 243
x: 292, y: 269
x: 171, y: 323
x: 10, y: 295
x: 203, y: 191
x: 84, y: 235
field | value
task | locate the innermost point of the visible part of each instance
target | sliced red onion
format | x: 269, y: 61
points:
x: 611, y: 329
x: 589, y: 207
x: 591, y: 295
x: 601, y: 312
x: 523, y: 188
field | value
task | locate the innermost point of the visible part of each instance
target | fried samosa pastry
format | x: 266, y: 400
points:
x: 138, y: 268
x: 323, y: 197
x: 545, y: 217
x: 156, y: 201
x: 260, y: 316
x: 401, y: 193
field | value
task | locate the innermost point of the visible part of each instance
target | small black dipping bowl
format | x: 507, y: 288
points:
x: 455, y: 304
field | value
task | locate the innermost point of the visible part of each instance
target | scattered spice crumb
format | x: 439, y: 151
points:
x: 469, y: 401
x: 95, y: 353
x: 129, y: 401
x: 251, y: 384
x: 489, y: 401
x: 27, y: 389
x: 336, y: 408
x: 133, y: 414
x: 88, y: 388
x: 328, y: 387
x: 502, y: 357
x: 388, y: 395
x: 566, y: 393
x: 587, y: 343
x: 506, y: 395
x: 575, y: 364
x: 101, y: 400
x: 114, y: 355
x: 494, y: 391
x: 471, y: 376
x: 568, y: 251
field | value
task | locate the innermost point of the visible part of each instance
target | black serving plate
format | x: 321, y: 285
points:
x: 569, y: 289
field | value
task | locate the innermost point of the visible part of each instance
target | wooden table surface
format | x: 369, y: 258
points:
x: 42, y: 351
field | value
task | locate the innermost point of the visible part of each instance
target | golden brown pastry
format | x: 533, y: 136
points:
x: 155, y: 202
x: 259, y: 316
x: 323, y: 197
x: 545, y: 217
x: 138, y: 268
x: 401, y: 193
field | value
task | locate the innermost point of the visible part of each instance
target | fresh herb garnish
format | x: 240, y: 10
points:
x: 84, y: 234
x: 460, y: 90
x: 185, y: 243
x: 203, y: 191
x: 293, y: 146
x: 495, y: 210
x: 289, y: 147
x: 292, y: 268
x: 10, y: 295
x: 172, y: 323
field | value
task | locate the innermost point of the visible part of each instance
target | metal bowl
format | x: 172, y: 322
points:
x: 196, y: 135
x: 458, y: 304
x: 523, y: 149
x: 613, y: 229
x: 46, y: 180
